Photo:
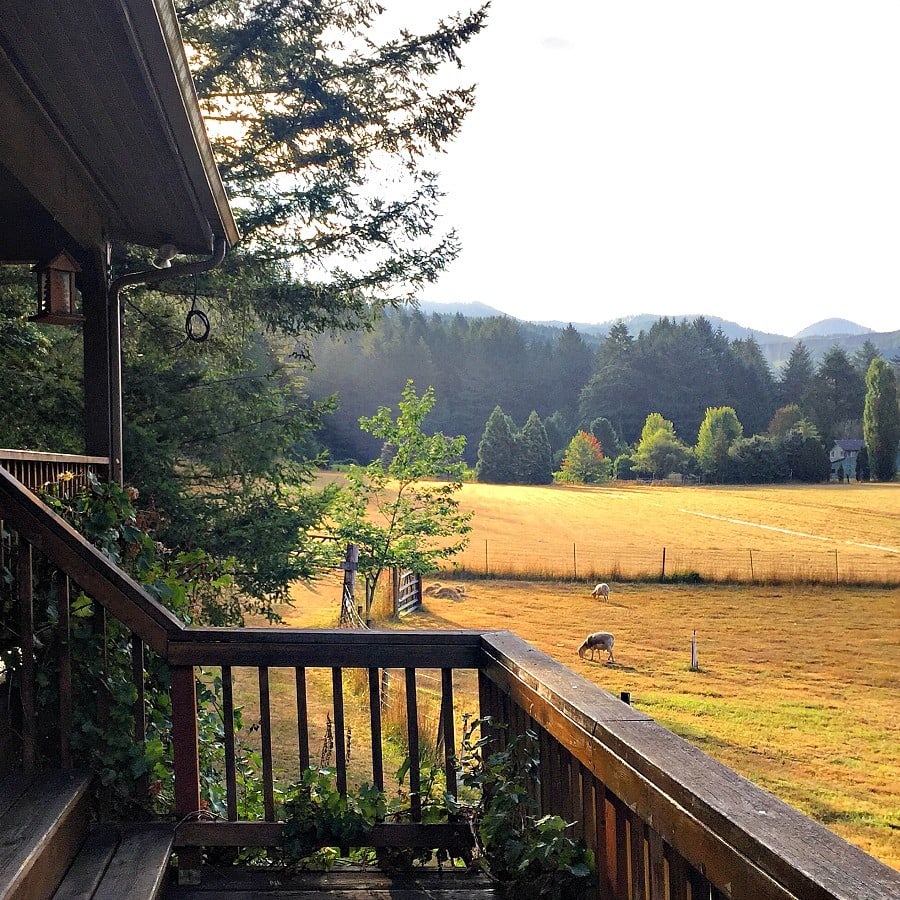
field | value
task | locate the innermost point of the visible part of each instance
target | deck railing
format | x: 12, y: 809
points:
x: 68, y: 471
x: 663, y: 819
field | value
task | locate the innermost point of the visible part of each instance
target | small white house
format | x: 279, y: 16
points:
x: 843, y: 456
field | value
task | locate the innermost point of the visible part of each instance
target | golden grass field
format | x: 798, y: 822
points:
x: 799, y: 685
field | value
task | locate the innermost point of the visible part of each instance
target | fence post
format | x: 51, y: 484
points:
x: 662, y: 575
x: 836, y: 575
x: 395, y: 588
x: 751, y: 566
x: 349, y: 566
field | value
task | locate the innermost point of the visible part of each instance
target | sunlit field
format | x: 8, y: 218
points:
x: 798, y: 684
x: 832, y: 532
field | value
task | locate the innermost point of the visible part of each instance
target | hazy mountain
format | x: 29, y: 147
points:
x: 818, y: 338
x: 831, y: 327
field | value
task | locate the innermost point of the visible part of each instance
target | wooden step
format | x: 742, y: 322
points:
x: 344, y: 883
x: 43, y: 822
x: 120, y: 864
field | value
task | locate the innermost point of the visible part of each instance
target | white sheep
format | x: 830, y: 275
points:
x: 599, y: 640
x: 601, y: 590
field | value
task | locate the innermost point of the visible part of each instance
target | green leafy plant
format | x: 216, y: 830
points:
x: 319, y: 819
x: 529, y: 856
x: 133, y: 778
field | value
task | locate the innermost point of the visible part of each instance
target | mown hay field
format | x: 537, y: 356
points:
x: 847, y: 532
x: 798, y: 687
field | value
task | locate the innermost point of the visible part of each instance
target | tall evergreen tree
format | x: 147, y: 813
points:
x: 603, y: 430
x: 863, y: 357
x: 838, y: 396
x: 497, y: 450
x: 798, y: 378
x: 881, y: 420
x: 535, y: 458
x: 307, y: 108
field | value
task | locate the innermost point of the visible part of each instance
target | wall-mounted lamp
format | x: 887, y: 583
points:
x: 165, y: 255
x: 57, y: 294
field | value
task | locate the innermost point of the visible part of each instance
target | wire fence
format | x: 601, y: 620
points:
x: 586, y: 562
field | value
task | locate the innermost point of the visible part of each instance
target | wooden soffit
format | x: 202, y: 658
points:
x: 102, y: 128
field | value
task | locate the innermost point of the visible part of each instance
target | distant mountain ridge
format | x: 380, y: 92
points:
x: 818, y: 337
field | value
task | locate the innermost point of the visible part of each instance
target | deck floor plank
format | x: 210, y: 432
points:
x: 356, y: 884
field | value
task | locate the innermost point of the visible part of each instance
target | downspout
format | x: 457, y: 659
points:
x: 114, y: 337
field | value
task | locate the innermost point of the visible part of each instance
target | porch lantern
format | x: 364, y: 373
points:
x: 57, y: 294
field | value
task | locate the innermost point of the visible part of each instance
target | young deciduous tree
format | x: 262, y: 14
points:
x: 659, y: 451
x: 718, y: 431
x: 584, y: 462
x: 393, y: 509
x: 881, y: 420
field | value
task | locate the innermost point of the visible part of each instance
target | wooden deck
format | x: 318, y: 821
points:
x: 346, y: 883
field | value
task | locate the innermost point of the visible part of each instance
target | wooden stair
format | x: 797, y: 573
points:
x: 48, y: 850
x: 343, y: 883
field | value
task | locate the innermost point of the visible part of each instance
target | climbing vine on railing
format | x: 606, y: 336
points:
x: 193, y: 586
x: 529, y: 856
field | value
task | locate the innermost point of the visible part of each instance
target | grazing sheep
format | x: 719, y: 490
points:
x: 602, y: 590
x: 599, y: 640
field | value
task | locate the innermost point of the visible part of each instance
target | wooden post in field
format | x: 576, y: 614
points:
x: 751, y: 565
x: 695, y: 659
x: 836, y: 576
x: 662, y: 575
x: 347, y: 601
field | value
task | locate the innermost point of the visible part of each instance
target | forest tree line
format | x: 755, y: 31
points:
x: 678, y: 369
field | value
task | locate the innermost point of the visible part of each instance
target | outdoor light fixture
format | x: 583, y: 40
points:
x: 57, y: 294
x: 164, y: 256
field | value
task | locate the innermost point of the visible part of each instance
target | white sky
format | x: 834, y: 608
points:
x: 678, y: 157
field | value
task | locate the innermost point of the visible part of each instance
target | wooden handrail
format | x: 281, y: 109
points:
x: 86, y: 565
x: 37, y: 469
x: 747, y: 842
x: 339, y: 647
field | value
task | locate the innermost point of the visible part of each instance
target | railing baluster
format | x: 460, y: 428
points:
x: 375, y: 718
x: 657, y: 859
x: 676, y: 874
x: 184, y: 740
x: 605, y: 843
x: 412, y: 730
x: 228, y: 725
x: 65, y: 674
x: 446, y: 726
x: 302, y: 718
x: 340, y: 747
x: 98, y: 623
x: 638, y: 857
x: 26, y: 638
x: 265, y: 734
x: 588, y: 827
x: 545, y: 752
x: 617, y: 833
x: 138, y: 713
